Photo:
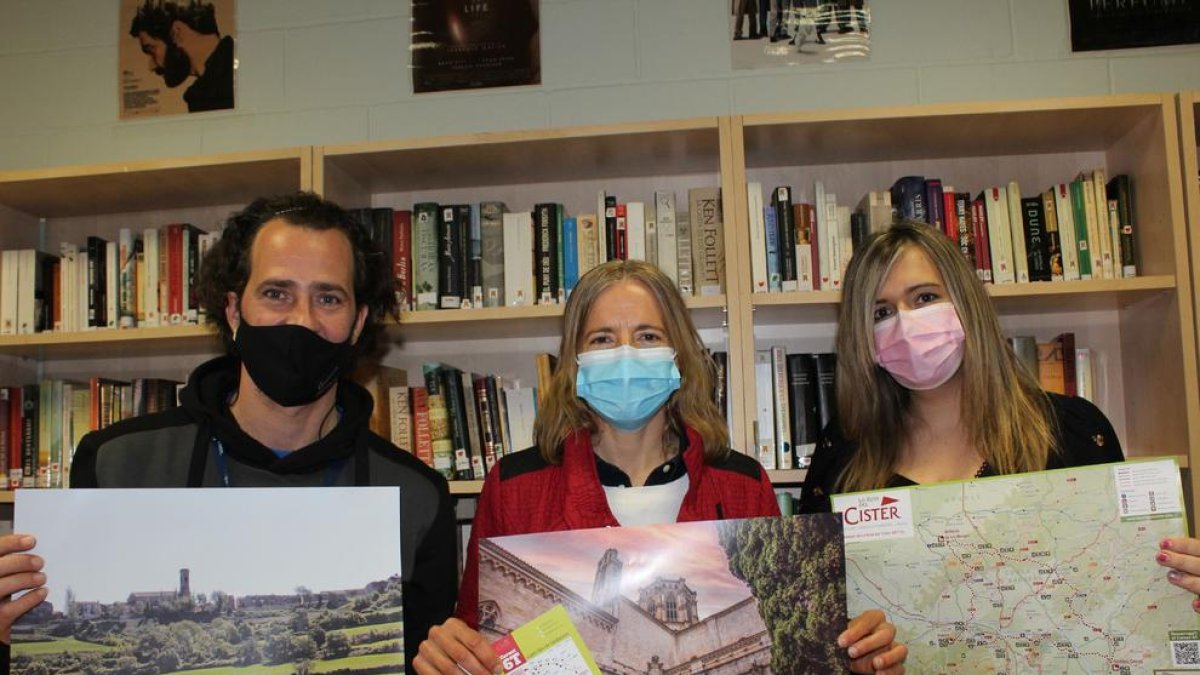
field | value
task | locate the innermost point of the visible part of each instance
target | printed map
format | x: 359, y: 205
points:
x: 1049, y: 572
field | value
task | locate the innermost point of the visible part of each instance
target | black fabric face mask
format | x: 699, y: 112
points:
x: 291, y: 364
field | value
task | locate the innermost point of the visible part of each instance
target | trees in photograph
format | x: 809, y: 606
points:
x: 804, y: 619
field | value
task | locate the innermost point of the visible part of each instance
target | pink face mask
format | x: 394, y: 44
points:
x: 920, y: 348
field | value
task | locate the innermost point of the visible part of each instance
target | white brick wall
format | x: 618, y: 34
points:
x: 333, y: 71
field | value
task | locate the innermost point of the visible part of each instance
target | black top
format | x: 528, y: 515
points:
x: 214, y: 89
x: 1085, y: 436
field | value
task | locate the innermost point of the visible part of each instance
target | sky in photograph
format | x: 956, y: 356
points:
x: 688, y: 550
x: 105, y: 544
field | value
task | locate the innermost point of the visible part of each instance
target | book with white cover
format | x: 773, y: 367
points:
x: 635, y: 231
x: 1109, y: 245
x: 1016, y: 223
x: 758, y: 238
x: 668, y: 252
x: 518, y: 258
x: 764, y: 392
x: 995, y: 201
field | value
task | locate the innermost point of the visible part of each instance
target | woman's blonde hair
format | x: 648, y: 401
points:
x: 562, y: 412
x: 1007, y: 416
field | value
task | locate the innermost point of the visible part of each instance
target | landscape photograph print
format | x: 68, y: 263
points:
x: 146, y: 582
x: 757, y: 595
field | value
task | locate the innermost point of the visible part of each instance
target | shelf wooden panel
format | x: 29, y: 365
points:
x: 1027, y: 298
x: 166, y: 340
x: 517, y: 157
x: 779, y: 477
x: 945, y: 130
x: 212, y: 180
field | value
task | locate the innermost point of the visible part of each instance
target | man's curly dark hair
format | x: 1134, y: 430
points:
x: 155, y: 17
x: 226, y: 267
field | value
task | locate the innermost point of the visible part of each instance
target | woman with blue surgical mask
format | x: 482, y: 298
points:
x: 628, y: 434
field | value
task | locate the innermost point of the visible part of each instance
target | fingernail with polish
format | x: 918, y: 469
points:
x: 1165, y: 543
x: 1161, y: 557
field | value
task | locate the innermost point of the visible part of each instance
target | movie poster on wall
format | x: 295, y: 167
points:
x: 767, y: 33
x: 175, y: 57
x: 1124, y: 24
x: 474, y: 44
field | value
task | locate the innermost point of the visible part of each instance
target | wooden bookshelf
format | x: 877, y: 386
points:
x: 1142, y: 327
x: 1145, y: 327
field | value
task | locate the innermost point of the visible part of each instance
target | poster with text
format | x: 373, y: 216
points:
x: 473, y: 44
x: 175, y: 56
x: 768, y: 33
x: 1125, y: 24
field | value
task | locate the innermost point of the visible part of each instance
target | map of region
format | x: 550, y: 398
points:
x: 1050, y: 572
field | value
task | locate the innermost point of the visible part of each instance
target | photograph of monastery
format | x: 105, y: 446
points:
x: 145, y: 582
x: 757, y: 596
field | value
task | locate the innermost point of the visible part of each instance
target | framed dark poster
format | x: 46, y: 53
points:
x: 473, y: 44
x: 1125, y: 24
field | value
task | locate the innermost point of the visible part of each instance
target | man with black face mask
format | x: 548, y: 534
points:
x: 297, y: 290
x: 182, y: 40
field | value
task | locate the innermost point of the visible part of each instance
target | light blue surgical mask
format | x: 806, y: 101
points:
x: 625, y: 385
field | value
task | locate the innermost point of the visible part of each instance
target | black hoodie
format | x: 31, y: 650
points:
x: 176, y: 448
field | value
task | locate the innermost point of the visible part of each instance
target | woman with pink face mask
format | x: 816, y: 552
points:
x: 928, y: 388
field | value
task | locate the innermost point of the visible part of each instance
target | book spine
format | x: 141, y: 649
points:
x: 450, y: 262
x: 588, y: 242
x: 1083, y: 374
x: 708, y: 240
x: 426, y: 247
x: 545, y: 233
x: 1121, y: 189
x: 487, y: 423
x: 622, y: 232
x: 635, y: 224
x: 518, y: 264
x: 149, y: 282
x: 451, y: 387
x: 126, y: 263
x: 175, y: 273
x: 802, y: 398
x: 764, y: 387
x: 5, y: 430
x: 668, y: 251
x: 1079, y: 213
x: 758, y: 238
x: 29, y: 435
x: 470, y: 412
x: 908, y: 196
x: 805, y: 247
x: 683, y: 254
x: 491, y: 225
x: 949, y: 213
x: 1069, y: 240
x: 826, y: 369
x: 611, y: 251
x: 966, y: 228
x: 1092, y: 209
x: 783, y: 421
x: 651, y: 235
x: 1000, y: 235
x: 781, y: 202
x: 473, y: 255
x: 934, y: 202
x: 95, y: 282
x: 1067, y: 340
x: 1053, y: 242
x: 422, y: 433
x: 16, y: 461
x: 771, y: 228
x: 1020, y: 257
x: 983, y: 247
x: 570, y: 249
x: 402, y: 269
x: 1110, y: 255
x: 1037, y: 251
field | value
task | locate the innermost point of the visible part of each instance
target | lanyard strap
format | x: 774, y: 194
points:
x: 331, y: 474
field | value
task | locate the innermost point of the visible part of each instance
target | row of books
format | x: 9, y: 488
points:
x: 141, y: 279
x: 796, y: 399
x: 41, y: 424
x: 460, y: 423
x: 1060, y: 365
x: 453, y: 256
x: 1081, y: 229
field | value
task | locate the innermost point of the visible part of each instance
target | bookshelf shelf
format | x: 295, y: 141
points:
x: 1142, y: 328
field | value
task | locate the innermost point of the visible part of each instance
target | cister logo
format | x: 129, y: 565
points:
x: 875, y: 515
